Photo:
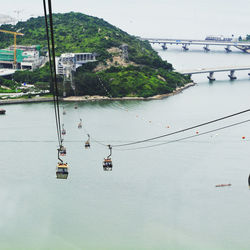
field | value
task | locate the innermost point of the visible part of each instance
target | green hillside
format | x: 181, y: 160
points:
x: 141, y: 73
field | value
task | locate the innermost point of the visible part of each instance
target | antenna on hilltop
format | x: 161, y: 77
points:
x: 18, y: 14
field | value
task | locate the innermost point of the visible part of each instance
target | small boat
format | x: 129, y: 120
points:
x: 2, y: 111
x: 62, y: 170
x: 223, y: 185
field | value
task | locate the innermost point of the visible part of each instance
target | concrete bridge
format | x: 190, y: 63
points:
x: 211, y: 71
x: 244, y: 46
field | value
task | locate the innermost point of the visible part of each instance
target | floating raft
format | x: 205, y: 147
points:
x: 2, y: 111
x: 223, y: 185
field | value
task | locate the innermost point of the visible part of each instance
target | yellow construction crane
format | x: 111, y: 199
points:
x: 15, y: 34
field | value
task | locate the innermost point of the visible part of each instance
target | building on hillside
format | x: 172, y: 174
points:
x: 71, y: 61
x: 32, y: 60
x: 26, y: 47
x: 27, y: 57
x: 67, y: 63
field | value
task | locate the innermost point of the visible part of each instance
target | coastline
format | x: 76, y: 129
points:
x: 95, y: 98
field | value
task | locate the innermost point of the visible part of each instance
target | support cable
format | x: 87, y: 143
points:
x: 51, y: 51
x: 54, y: 64
x: 187, y: 137
x: 182, y: 130
x: 51, y: 71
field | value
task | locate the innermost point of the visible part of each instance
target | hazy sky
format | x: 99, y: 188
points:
x: 152, y: 18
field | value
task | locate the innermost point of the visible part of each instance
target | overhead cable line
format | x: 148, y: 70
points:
x: 182, y: 130
x: 187, y: 137
x: 54, y: 64
x: 50, y: 67
x: 62, y: 168
x: 51, y: 52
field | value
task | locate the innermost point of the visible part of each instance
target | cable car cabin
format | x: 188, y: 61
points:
x: 62, y: 151
x: 62, y: 171
x: 2, y: 111
x: 87, y: 144
x: 64, y: 111
x: 63, y: 132
x: 107, y: 164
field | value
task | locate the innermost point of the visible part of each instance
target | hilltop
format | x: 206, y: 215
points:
x: 136, y: 70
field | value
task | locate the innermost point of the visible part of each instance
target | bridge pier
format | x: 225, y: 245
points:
x: 206, y: 48
x: 185, y: 47
x: 228, y: 49
x: 211, y: 76
x: 232, y: 75
x: 164, y: 47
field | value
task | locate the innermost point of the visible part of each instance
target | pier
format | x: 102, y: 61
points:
x: 211, y: 71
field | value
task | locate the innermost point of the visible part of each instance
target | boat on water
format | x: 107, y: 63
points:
x: 2, y: 111
x: 223, y: 185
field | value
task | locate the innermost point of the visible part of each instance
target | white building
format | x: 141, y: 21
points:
x: 71, y: 61
x: 32, y: 60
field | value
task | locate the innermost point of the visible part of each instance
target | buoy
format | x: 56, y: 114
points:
x: 243, y: 137
x: 197, y: 132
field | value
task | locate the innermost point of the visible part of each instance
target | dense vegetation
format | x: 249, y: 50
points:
x: 127, y: 81
x: 7, y: 85
x: 142, y: 73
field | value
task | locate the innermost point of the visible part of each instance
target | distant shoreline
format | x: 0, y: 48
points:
x: 94, y: 98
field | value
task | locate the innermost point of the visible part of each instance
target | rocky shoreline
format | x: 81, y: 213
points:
x: 93, y: 98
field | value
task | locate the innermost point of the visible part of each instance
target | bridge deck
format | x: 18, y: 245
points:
x: 195, y: 42
x: 208, y: 70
